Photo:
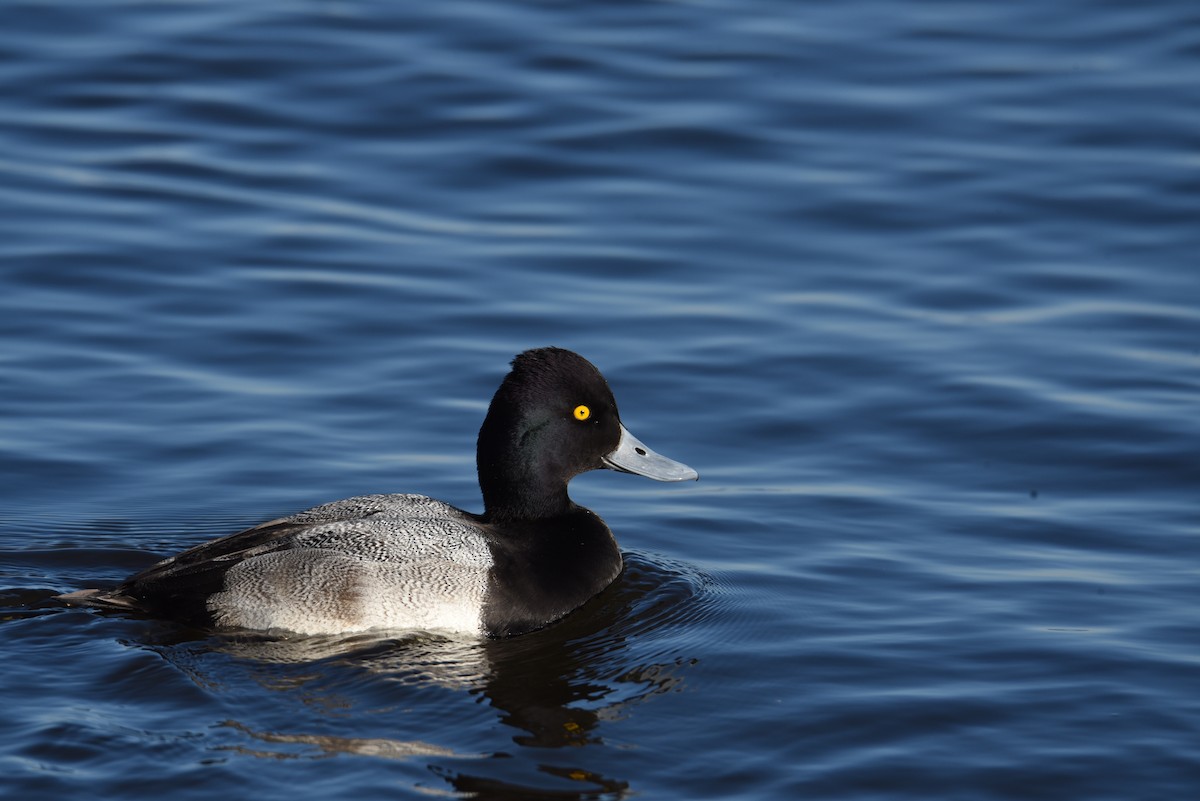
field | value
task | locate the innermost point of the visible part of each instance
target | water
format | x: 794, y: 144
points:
x: 913, y: 287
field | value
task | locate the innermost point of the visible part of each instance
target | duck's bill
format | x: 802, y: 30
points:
x: 632, y: 456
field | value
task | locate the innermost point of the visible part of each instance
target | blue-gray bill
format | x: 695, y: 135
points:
x: 632, y: 456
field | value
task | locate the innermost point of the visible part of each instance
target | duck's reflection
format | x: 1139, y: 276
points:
x: 553, y: 687
x: 380, y: 747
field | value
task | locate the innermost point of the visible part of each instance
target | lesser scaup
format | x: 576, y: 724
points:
x: 411, y: 562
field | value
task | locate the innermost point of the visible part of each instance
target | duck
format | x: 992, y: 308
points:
x: 412, y: 563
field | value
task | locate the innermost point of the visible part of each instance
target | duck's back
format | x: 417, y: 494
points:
x: 374, y: 561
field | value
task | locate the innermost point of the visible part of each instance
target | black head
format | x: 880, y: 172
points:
x: 553, y: 418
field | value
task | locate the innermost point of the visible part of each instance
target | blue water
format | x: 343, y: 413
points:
x: 914, y: 287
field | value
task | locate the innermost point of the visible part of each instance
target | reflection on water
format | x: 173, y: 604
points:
x: 421, y: 659
x: 594, y: 785
x: 331, y: 746
x: 553, y: 688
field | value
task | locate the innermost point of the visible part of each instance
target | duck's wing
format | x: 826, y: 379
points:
x: 220, y: 554
x: 179, y: 586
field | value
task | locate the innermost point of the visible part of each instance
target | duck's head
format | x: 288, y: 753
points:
x: 552, y: 418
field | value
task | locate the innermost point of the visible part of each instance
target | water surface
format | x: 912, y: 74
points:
x: 913, y: 288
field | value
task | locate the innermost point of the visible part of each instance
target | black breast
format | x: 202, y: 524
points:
x: 544, y: 570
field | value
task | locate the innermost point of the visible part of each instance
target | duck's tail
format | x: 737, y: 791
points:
x: 102, y: 599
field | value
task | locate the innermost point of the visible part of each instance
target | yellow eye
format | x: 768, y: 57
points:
x: 582, y: 412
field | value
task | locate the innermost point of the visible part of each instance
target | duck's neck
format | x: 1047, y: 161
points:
x: 507, y: 498
x: 515, y: 484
